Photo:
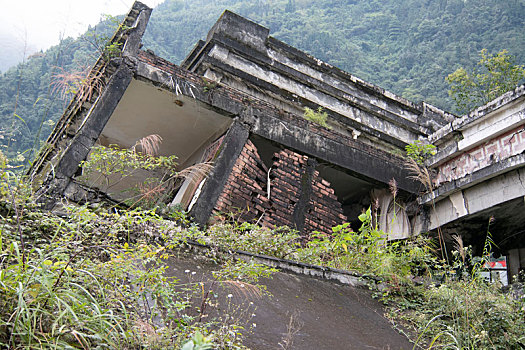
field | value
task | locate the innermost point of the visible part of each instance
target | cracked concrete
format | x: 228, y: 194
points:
x: 520, y: 179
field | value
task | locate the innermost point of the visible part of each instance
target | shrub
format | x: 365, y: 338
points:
x: 367, y: 252
x: 281, y: 242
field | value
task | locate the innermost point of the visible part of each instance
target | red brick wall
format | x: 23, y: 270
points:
x: 245, y: 193
x: 325, y: 210
x: 287, y: 169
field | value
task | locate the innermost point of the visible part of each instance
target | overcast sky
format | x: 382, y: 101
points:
x: 41, y: 23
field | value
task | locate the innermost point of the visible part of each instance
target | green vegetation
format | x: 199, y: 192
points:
x: 154, y: 176
x: 419, y: 152
x: 101, y: 40
x: 318, y: 117
x: 405, y: 46
x: 109, y: 166
x: 493, y: 76
x: 95, y: 277
x: 90, y: 279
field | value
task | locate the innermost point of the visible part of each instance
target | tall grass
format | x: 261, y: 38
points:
x: 97, y: 280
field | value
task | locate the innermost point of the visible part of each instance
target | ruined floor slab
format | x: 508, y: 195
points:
x: 327, y: 315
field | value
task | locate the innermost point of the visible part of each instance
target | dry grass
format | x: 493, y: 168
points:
x: 94, y: 84
x: 421, y: 174
x: 293, y: 327
x: 150, y: 192
x: 392, y: 184
x: 149, y: 145
x: 84, y: 82
x: 196, y: 172
x: 458, y: 245
x: 66, y: 83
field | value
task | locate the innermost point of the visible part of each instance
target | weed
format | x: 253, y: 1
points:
x: 462, y: 310
x: 155, y: 177
x: 366, y: 251
x: 281, y: 242
x: 209, y: 85
x: 416, y: 156
x: 419, y: 152
x: 198, y: 342
x: 106, y: 46
x: 319, y: 116
x: 293, y: 327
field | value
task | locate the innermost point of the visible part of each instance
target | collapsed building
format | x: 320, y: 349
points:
x: 238, y: 100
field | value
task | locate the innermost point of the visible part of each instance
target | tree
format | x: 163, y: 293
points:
x: 493, y: 76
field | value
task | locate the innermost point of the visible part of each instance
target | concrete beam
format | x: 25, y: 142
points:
x: 270, y: 122
x: 478, y: 198
x: 134, y: 39
x: 303, y: 204
x: 364, y: 162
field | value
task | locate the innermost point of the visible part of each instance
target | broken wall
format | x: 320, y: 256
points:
x: 289, y: 193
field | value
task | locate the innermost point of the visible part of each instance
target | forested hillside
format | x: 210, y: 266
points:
x: 405, y: 46
x: 34, y: 94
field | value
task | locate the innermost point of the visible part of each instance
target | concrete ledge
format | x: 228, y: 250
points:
x: 480, y: 132
x: 491, y: 106
x: 302, y: 80
x: 477, y: 114
x: 492, y: 193
x: 350, y: 102
x: 481, y: 175
x: 342, y: 91
x: 327, y: 273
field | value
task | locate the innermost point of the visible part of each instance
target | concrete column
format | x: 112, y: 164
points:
x: 88, y: 133
x: 232, y: 146
x: 302, y: 206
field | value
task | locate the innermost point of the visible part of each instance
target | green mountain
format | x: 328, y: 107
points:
x: 405, y: 46
x: 34, y: 94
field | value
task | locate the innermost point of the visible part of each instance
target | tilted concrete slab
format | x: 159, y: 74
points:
x: 326, y: 314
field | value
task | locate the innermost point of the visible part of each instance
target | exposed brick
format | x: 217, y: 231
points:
x: 246, y: 188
